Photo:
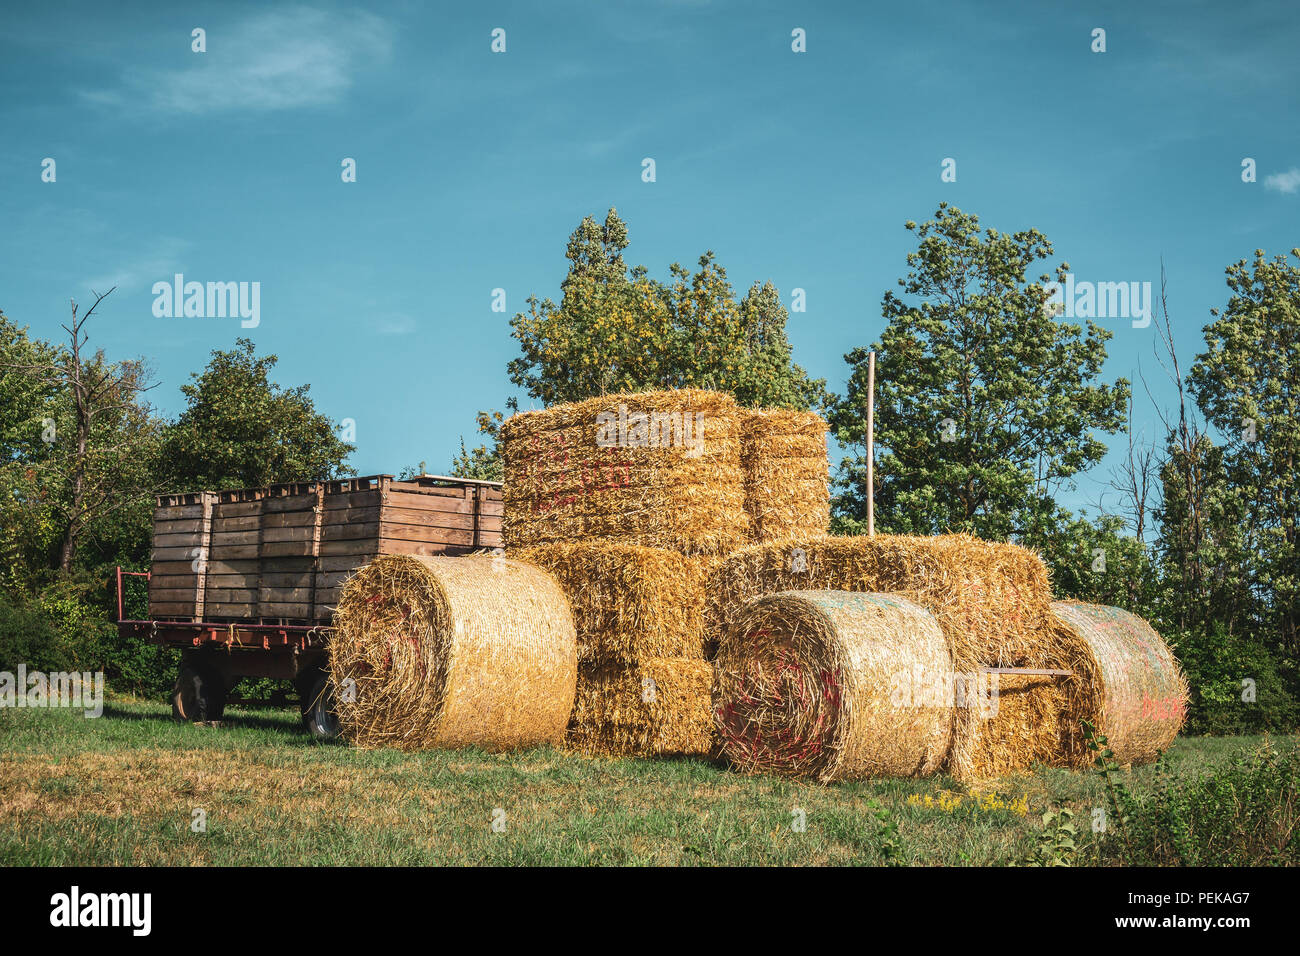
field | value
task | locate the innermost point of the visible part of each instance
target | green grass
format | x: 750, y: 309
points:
x: 122, y: 790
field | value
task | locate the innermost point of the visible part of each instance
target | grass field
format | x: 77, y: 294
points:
x: 123, y: 789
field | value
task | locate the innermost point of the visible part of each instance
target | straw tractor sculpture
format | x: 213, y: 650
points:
x: 669, y: 587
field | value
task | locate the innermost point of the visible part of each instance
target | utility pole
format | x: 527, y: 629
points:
x: 871, y: 444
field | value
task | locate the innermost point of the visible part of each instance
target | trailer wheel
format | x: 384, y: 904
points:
x: 199, y: 694
x: 318, y: 707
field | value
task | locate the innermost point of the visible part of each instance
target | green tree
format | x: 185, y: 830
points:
x: 1247, y: 385
x: 1097, y: 560
x: 986, y: 403
x: 99, y: 435
x: 615, y: 330
x: 240, y: 429
x: 483, y: 462
x: 28, y: 406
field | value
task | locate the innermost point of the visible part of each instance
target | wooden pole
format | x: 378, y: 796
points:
x: 871, y: 444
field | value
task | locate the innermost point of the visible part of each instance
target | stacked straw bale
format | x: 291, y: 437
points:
x: 1127, y: 684
x: 657, y: 707
x: 643, y: 682
x: 834, y: 685
x: 787, y: 483
x: 629, y: 602
x: 452, y: 652
x: 658, y: 469
x: 991, y: 600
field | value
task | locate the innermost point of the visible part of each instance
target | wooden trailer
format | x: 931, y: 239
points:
x: 244, y: 582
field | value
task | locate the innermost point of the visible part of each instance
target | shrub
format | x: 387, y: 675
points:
x: 1216, y: 663
x: 1246, y: 813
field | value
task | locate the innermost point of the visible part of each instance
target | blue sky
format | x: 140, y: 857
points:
x: 473, y: 168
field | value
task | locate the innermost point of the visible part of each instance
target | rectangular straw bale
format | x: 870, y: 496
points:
x: 992, y: 597
x: 659, y: 707
x: 629, y: 602
x: 657, y: 469
x: 1023, y: 728
x: 787, y: 483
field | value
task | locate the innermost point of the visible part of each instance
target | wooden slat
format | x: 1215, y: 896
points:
x: 347, y: 562
x: 191, y: 539
x: 233, y: 523
x: 236, y: 509
x: 300, y: 595
x: 220, y: 536
x: 164, y: 582
x: 172, y: 554
x: 343, y: 517
x: 298, y: 611
x: 229, y: 552
x: 299, y: 533
x: 430, y: 519
x: 287, y: 579
x: 289, y: 503
x: 289, y: 519
x: 410, y: 490
x: 352, y: 499
x: 426, y: 548
x: 360, y: 546
x: 431, y: 536
x: 281, y: 549
x: 177, y: 512
x: 460, y: 504
x: 231, y: 596
x: 183, y: 609
x: 179, y: 526
x: 291, y: 564
x: 215, y: 610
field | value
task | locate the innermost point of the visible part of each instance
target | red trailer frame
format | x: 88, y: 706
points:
x: 219, y: 654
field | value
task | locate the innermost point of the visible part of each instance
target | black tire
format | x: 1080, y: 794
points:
x: 199, y: 694
x: 318, y: 715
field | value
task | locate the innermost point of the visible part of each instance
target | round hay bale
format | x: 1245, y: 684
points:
x: 1128, y: 683
x: 453, y: 652
x: 834, y: 685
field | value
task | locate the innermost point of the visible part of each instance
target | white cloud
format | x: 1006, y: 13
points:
x: 1287, y: 182
x: 273, y: 61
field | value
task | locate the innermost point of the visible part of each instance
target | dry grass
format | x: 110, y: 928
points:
x: 569, y: 475
x: 453, y: 652
x: 835, y: 685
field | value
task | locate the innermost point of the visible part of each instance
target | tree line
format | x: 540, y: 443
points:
x: 991, y: 408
